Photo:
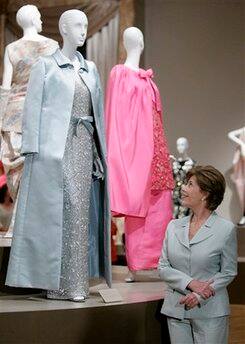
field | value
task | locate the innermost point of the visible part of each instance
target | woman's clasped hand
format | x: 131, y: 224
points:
x: 200, y: 289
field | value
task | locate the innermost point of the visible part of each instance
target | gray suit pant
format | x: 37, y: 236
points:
x: 199, y: 331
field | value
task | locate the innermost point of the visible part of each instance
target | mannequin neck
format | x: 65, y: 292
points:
x: 69, y: 50
x: 31, y: 33
x: 133, y: 59
x: 184, y: 156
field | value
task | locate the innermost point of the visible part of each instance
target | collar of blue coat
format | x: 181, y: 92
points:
x: 206, y: 230
x: 63, y: 61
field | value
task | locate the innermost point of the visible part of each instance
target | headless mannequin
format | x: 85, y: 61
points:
x: 133, y: 41
x: 238, y: 136
x: 29, y: 19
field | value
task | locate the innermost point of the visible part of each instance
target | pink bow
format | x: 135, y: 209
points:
x: 146, y: 73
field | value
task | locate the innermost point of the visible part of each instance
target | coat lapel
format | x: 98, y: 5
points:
x: 90, y: 82
x: 85, y: 75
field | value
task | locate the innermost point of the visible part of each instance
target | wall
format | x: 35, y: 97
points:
x: 196, y: 49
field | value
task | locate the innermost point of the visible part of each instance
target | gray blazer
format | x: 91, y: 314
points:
x: 210, y: 254
x: 35, y: 259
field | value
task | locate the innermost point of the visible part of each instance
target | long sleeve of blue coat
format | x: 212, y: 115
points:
x: 32, y: 109
x: 100, y: 105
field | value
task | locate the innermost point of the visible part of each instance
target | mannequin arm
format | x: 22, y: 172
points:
x: 233, y: 136
x: 172, y: 157
x: 7, y: 71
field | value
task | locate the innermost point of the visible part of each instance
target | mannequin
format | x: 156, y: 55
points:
x: 140, y: 172
x: 181, y: 166
x: 18, y: 59
x: 238, y: 176
x: 62, y: 221
x: 133, y: 42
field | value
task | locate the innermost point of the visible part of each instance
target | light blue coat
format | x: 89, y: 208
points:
x: 210, y: 254
x: 35, y: 259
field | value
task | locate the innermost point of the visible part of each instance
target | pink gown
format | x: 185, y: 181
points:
x: 140, y: 173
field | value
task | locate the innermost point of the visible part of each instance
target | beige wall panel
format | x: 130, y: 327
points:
x: 196, y: 49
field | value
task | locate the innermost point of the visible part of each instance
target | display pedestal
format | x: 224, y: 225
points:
x: 137, y: 319
x: 5, y: 241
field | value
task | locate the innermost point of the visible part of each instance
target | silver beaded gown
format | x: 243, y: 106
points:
x: 77, y: 179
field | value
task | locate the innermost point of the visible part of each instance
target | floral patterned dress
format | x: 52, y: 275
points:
x: 22, y: 55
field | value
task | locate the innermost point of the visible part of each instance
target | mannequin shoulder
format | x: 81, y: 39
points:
x: 92, y: 68
x: 117, y: 69
x: 52, y: 42
x: 11, y: 47
x: 91, y: 65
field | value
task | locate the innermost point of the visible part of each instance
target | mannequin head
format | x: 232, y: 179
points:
x: 28, y: 16
x: 182, y: 145
x: 73, y: 25
x: 133, y: 39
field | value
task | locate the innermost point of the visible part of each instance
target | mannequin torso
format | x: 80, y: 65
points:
x: 19, y: 58
x: 238, y: 177
x: 181, y: 166
x: 31, y: 29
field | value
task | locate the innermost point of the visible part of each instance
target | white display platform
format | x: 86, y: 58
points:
x: 149, y: 288
x: 5, y: 241
x: 135, y: 320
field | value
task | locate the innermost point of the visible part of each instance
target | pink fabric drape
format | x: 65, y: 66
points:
x: 144, y: 236
x: 130, y: 147
x: 140, y: 174
x: 131, y: 98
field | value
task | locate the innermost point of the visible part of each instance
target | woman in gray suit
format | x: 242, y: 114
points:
x: 198, y: 261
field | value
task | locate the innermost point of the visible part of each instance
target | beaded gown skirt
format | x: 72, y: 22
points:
x: 77, y: 179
